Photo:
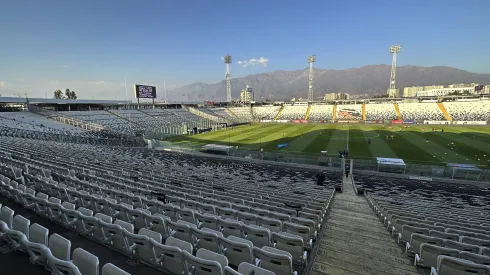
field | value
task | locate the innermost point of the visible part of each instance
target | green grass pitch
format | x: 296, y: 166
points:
x: 467, y: 144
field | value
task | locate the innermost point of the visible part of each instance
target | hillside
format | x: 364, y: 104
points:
x: 369, y: 80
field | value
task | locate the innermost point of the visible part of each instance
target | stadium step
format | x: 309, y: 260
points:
x: 334, y: 115
x: 279, y: 113
x: 444, y: 111
x: 364, y: 111
x: 118, y: 115
x: 308, y: 112
x: 356, y: 242
x: 398, y: 113
x: 232, y: 113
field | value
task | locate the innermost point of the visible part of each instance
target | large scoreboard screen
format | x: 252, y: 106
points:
x: 145, y: 91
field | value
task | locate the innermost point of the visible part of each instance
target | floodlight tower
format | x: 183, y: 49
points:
x: 394, y: 49
x: 311, y: 59
x: 227, y: 59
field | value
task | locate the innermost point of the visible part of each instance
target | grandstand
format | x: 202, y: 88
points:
x: 77, y: 200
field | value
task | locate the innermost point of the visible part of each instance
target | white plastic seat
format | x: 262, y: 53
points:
x: 447, y: 265
x: 300, y: 230
x: 206, y: 220
x: 274, y: 225
x: 206, y: 240
x: 485, y: 251
x: 280, y: 216
x: 206, y: 208
x: 247, y: 268
x: 429, y: 253
x: 6, y: 219
x: 462, y: 246
x: 19, y: 232
x: 476, y: 258
x: 37, y: 244
x: 200, y: 266
x: 60, y: 247
x: 110, y: 269
x: 137, y: 218
x: 444, y: 235
x: 408, y: 230
x: 113, y: 233
x: 475, y: 241
x: 168, y: 256
x: 292, y: 244
x: 237, y: 250
x: 186, y: 214
x: 413, y: 246
x: 226, y: 213
x: 246, y: 218
x: 230, y: 227
x: 120, y: 211
x: 91, y: 225
x: 41, y: 207
x: 139, y: 244
x: 212, y: 256
x: 169, y: 210
x: 180, y: 231
x: 258, y: 235
x: 274, y: 260
x: 157, y: 223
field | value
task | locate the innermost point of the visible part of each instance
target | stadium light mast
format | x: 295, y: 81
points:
x: 227, y: 59
x: 394, y: 49
x: 311, y: 59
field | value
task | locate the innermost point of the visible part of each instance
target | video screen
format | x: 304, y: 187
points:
x: 145, y: 91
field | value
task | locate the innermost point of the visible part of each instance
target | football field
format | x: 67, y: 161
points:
x: 467, y: 144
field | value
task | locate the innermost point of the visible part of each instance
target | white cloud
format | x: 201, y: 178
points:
x: 253, y: 62
x: 2, y: 84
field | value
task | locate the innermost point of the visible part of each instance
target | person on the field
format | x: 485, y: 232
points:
x: 282, y: 134
x: 442, y: 130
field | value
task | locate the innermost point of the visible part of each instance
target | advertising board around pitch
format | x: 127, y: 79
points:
x: 145, y: 91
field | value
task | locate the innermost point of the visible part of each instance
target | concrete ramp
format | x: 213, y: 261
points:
x: 356, y: 242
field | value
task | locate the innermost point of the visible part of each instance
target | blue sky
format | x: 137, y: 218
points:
x: 91, y: 45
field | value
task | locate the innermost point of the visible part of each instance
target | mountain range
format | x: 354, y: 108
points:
x: 365, y: 81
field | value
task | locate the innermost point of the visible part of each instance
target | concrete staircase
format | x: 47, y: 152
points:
x: 279, y: 113
x: 444, y: 111
x: 334, y: 116
x: 308, y: 112
x: 356, y: 242
x: 364, y: 111
x: 398, y: 114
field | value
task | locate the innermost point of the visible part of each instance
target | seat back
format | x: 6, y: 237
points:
x: 246, y: 218
x: 476, y: 258
x: 258, y: 235
x: 430, y: 252
x: 230, y: 227
x: 274, y: 225
x: 87, y: 263
x: 274, y: 262
x: 7, y: 216
x: 236, y: 252
x: 408, y: 230
x: 212, y: 256
x: 454, y: 266
x: 110, y: 269
x: 60, y: 247
x: 168, y: 256
x: 475, y: 241
x: 207, y: 221
x: 290, y: 243
x: 444, y: 235
x: 418, y: 239
x: 462, y: 246
x: 38, y: 234
x: 247, y: 268
x: 179, y: 231
x: 202, y: 266
x: 206, y: 240
x: 300, y: 230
